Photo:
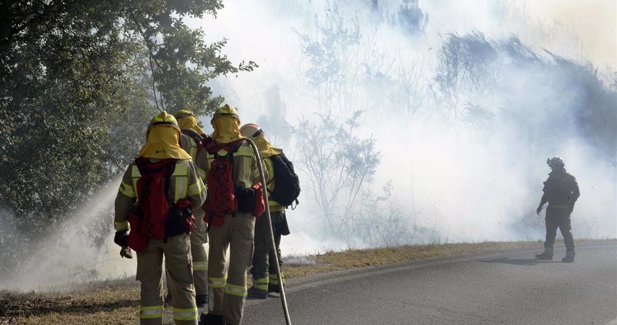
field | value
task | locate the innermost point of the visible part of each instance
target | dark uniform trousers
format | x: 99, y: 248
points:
x: 558, y: 217
x: 264, y: 271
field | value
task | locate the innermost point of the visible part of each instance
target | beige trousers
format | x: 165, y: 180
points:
x: 227, y: 285
x: 199, y: 238
x: 149, y: 270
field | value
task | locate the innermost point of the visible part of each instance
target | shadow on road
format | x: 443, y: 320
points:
x: 527, y: 262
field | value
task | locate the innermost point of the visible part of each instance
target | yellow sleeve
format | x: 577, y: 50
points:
x: 196, y: 188
x: 124, y: 201
x: 245, y: 167
x: 202, y: 163
x: 269, y: 170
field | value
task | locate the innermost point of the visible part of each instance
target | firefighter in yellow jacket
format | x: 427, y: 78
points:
x: 155, y: 198
x: 227, y: 152
x: 191, y: 141
x: 265, y: 278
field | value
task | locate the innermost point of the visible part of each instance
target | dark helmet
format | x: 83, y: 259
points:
x: 555, y: 162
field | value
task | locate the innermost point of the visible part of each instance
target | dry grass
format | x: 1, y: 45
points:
x: 351, y: 259
x: 116, y: 302
x: 112, y: 302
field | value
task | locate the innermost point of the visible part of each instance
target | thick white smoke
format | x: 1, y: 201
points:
x: 462, y: 167
x: 467, y: 165
x: 78, y: 251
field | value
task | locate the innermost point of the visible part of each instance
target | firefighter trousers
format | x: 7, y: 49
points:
x: 177, y: 253
x: 198, y: 237
x: 227, y: 281
x: 558, y: 218
x: 263, y: 260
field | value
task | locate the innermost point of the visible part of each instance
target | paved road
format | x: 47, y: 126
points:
x: 498, y: 288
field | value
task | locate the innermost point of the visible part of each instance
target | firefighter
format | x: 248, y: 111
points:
x: 231, y: 227
x: 265, y: 278
x: 191, y: 141
x: 561, y: 192
x: 154, y: 201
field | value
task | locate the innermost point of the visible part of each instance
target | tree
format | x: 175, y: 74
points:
x: 504, y: 82
x: 79, y: 81
x: 332, y: 51
x: 348, y: 72
x: 466, y: 67
x: 340, y: 165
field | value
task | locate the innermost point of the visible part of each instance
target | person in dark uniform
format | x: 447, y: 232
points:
x: 561, y: 192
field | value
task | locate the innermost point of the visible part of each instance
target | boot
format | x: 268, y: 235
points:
x: 274, y: 288
x: 546, y: 255
x: 201, y: 301
x: 210, y: 319
x: 254, y: 293
x: 569, y: 258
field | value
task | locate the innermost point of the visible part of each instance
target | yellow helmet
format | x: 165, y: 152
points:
x: 183, y: 113
x: 164, y: 118
x: 251, y: 130
x: 226, y: 110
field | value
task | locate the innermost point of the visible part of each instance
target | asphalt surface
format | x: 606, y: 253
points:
x: 508, y: 287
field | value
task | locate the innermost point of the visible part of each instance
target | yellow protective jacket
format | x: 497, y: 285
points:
x: 245, y: 171
x: 184, y: 183
x: 274, y: 206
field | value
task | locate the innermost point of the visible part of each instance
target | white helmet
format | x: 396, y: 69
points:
x: 251, y: 130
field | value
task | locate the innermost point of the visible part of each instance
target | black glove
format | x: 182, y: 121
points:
x: 121, y: 237
x: 126, y: 252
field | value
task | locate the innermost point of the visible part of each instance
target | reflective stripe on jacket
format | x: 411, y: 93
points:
x: 184, y: 183
x: 245, y: 169
x: 274, y: 206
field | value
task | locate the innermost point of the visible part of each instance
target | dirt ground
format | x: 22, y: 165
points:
x: 117, y: 302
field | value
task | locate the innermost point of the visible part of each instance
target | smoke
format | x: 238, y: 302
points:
x: 465, y: 107
x: 592, y: 23
x: 78, y: 251
x: 464, y: 100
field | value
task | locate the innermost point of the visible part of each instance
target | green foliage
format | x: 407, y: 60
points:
x: 76, y: 91
x: 181, y: 61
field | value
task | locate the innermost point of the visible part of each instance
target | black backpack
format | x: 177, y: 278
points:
x: 287, y: 187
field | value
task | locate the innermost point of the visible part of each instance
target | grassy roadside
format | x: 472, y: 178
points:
x: 351, y: 259
x: 116, y: 302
